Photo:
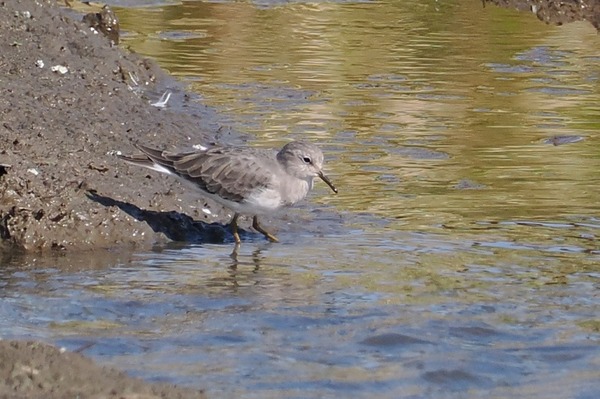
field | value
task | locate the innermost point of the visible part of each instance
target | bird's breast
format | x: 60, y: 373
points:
x: 295, y: 190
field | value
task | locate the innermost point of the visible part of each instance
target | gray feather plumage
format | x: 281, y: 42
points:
x: 239, y: 174
x: 224, y: 171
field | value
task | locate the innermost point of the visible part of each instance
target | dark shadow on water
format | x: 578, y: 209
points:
x: 175, y: 225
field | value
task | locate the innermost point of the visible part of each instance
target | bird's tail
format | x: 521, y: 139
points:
x: 151, y: 158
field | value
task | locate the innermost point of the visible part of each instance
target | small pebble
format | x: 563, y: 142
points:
x: 60, y: 69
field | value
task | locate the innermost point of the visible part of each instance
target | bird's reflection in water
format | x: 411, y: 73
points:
x: 241, y: 271
x: 238, y: 269
x: 255, y: 259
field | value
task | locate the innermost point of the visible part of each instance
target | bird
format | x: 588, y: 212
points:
x: 248, y: 180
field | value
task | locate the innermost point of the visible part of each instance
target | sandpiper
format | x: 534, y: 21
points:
x: 247, y: 180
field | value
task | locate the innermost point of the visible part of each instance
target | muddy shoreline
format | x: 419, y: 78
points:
x: 35, y: 370
x: 61, y: 184
x: 556, y: 12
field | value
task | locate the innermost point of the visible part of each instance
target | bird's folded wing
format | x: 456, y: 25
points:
x: 216, y: 171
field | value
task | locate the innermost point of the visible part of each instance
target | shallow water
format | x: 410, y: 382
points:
x: 459, y: 259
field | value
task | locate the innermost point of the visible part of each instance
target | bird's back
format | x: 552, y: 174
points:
x: 231, y: 173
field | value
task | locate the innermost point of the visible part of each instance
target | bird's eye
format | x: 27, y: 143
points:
x: 306, y: 160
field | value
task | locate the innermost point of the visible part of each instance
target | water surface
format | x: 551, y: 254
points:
x: 459, y: 259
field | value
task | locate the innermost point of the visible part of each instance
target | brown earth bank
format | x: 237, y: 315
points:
x: 35, y: 370
x: 556, y: 12
x: 61, y: 184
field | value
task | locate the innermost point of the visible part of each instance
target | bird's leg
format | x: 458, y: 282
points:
x: 234, y: 228
x: 264, y: 232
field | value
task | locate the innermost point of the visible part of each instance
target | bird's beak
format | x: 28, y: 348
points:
x: 328, y: 182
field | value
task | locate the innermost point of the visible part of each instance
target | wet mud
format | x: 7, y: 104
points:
x: 70, y: 101
x: 36, y: 370
x: 556, y: 12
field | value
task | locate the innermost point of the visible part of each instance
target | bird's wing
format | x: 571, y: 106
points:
x: 229, y: 172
